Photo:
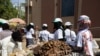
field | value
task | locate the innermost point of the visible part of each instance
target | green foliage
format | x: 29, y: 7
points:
x: 23, y: 17
x: 7, y: 11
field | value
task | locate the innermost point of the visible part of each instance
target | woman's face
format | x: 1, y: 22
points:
x: 82, y: 24
x: 57, y: 25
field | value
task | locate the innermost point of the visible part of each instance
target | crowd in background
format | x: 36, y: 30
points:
x: 80, y: 42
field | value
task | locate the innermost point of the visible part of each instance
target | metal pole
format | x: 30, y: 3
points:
x: 18, y: 9
x: 27, y: 11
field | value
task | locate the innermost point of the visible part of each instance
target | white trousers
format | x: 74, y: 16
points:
x: 13, y: 45
x: 4, y: 44
x: 19, y: 45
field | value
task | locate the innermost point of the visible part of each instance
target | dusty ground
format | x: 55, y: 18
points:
x: 24, y: 47
x: 24, y: 52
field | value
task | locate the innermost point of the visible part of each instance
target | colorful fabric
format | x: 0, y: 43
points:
x: 84, y: 39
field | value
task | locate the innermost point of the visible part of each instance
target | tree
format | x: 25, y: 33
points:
x: 7, y: 11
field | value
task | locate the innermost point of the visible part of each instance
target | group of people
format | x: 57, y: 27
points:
x: 9, y: 39
x: 81, y: 42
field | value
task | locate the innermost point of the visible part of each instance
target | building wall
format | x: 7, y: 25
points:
x: 36, y: 12
x: 68, y: 17
x: 71, y: 19
x: 92, y: 9
x: 51, y: 9
x: 58, y: 7
x: 44, y: 11
x: 47, y: 12
x: 78, y: 5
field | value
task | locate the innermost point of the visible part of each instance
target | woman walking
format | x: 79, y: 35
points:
x: 29, y: 34
x: 84, y: 36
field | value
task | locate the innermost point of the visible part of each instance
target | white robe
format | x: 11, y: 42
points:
x: 84, y: 39
x: 70, y: 37
x: 45, y: 35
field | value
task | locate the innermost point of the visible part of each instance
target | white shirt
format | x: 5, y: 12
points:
x: 51, y: 36
x: 84, y: 40
x: 58, y: 34
x: 44, y: 34
x: 70, y: 37
x: 1, y: 29
x: 29, y: 33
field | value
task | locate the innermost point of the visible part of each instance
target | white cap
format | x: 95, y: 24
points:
x: 68, y: 24
x: 83, y: 17
x: 45, y: 25
x: 57, y: 20
x: 32, y: 24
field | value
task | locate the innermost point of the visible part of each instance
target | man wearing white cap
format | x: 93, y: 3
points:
x: 70, y: 34
x: 44, y: 34
x: 58, y: 29
x: 84, y: 36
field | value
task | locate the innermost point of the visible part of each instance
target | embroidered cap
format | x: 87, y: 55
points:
x: 32, y: 24
x: 68, y: 24
x: 83, y: 17
x: 45, y: 25
x: 57, y: 20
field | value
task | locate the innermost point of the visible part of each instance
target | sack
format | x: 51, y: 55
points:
x: 94, y: 44
x: 78, y: 49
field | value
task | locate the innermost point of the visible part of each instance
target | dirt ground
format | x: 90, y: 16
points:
x: 17, y: 52
x: 30, y: 52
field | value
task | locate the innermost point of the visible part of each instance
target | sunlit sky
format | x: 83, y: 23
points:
x: 16, y: 1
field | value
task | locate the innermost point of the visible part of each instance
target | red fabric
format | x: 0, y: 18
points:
x: 85, y: 43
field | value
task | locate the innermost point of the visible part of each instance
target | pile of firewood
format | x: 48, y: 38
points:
x: 52, y: 48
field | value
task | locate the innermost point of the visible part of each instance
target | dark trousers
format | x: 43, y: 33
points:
x: 29, y: 42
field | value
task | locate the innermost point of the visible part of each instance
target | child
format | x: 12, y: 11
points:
x: 70, y: 34
x: 58, y: 29
x: 44, y: 34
